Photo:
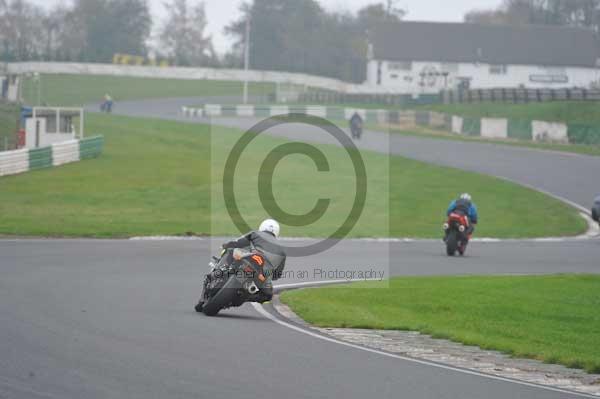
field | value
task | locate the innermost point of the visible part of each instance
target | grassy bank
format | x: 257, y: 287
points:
x: 9, y: 116
x: 76, y: 90
x: 155, y: 177
x: 550, y: 318
x: 438, y: 134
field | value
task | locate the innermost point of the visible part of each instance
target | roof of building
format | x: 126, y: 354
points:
x: 492, y: 44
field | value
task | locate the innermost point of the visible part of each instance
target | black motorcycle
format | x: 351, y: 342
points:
x: 237, y: 276
x: 356, y: 130
x: 356, y: 127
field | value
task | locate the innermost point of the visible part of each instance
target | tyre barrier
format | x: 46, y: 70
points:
x: 491, y: 128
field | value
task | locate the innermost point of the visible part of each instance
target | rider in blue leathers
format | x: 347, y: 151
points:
x: 464, y: 204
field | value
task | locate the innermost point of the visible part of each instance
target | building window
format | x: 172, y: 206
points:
x: 400, y: 66
x: 498, y: 69
x: 550, y: 75
x: 554, y: 70
x: 450, y: 67
x: 549, y: 78
x: 394, y: 76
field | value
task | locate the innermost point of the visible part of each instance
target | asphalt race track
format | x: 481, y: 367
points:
x: 115, y: 319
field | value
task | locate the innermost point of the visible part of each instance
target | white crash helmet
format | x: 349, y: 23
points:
x: 466, y: 197
x: 270, y: 226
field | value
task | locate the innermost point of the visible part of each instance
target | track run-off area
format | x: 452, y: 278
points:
x: 115, y: 318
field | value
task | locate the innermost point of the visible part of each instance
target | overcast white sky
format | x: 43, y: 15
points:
x: 221, y: 12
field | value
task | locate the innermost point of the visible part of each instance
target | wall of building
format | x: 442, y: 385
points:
x: 45, y: 138
x: 431, y: 77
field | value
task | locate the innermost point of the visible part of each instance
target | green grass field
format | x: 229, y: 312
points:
x: 9, y: 115
x: 558, y: 111
x: 155, y: 177
x: 77, y: 90
x: 438, y: 134
x: 551, y: 318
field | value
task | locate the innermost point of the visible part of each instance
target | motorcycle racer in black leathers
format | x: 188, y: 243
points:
x: 263, y: 241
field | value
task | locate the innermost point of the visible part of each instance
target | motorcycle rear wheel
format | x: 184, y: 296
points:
x: 223, y: 298
x: 451, y: 244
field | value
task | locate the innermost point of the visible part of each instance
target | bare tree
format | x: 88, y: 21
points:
x: 3, y: 24
x: 487, y: 17
x: 182, y: 37
x: 583, y: 13
x: 393, y: 11
x: 21, y: 30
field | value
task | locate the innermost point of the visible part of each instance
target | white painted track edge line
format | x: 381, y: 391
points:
x: 271, y: 317
x: 259, y: 308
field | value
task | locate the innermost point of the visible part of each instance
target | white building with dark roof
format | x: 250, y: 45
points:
x: 424, y: 57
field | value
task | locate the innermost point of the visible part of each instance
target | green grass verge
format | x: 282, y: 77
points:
x: 155, y: 177
x: 9, y: 115
x: 557, y: 111
x: 430, y: 133
x: 584, y: 149
x: 551, y: 318
x: 438, y: 134
x: 76, y: 90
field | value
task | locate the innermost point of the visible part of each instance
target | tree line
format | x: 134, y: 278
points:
x: 286, y: 35
x: 300, y: 36
x: 290, y: 35
x: 578, y: 13
x: 96, y: 30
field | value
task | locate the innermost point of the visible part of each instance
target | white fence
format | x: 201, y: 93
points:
x: 24, y: 160
x: 13, y: 162
x: 65, y: 152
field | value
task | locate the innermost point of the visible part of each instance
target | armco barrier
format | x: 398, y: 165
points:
x: 457, y: 125
x: 13, y: 162
x: 549, y: 131
x: 40, y: 158
x: 19, y: 161
x: 438, y: 120
x: 423, y: 118
x: 65, y: 152
x: 519, y: 129
x: 91, y: 147
x: 492, y: 128
x: 471, y: 126
x: 584, y: 134
x: 379, y: 116
x: 260, y: 111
